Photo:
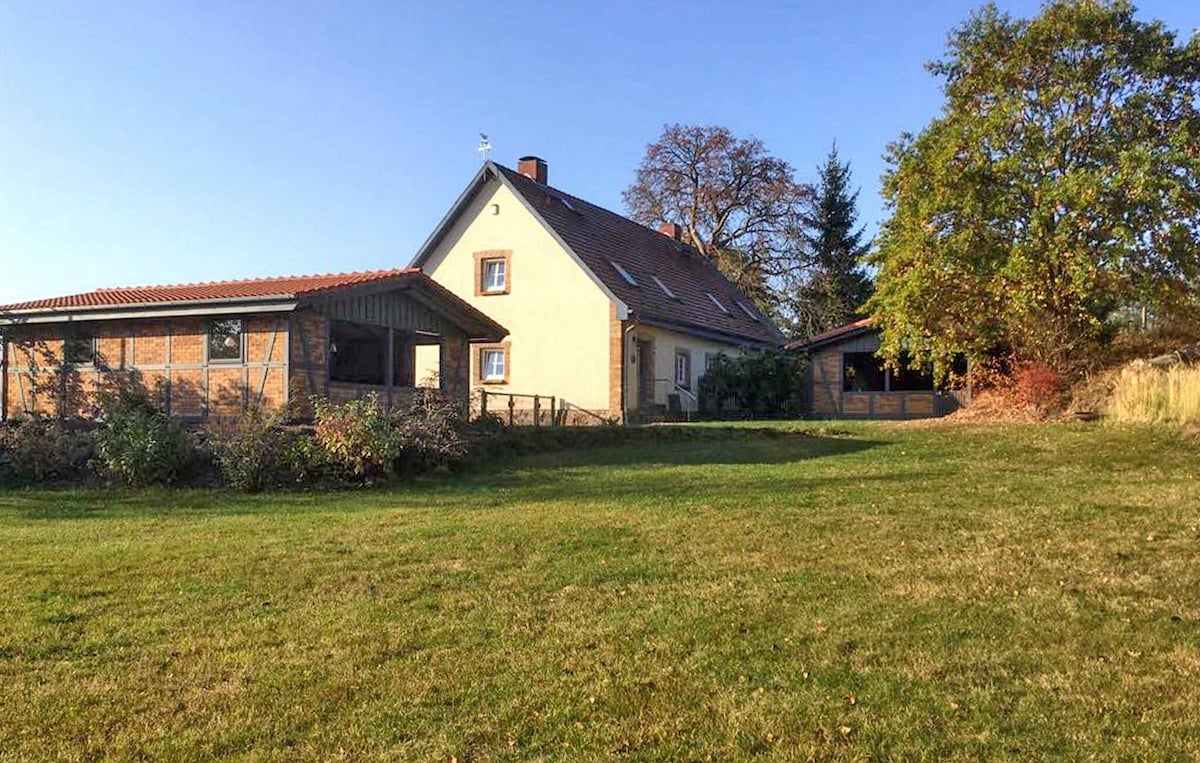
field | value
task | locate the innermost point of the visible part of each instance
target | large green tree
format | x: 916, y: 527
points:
x: 831, y: 290
x: 1059, y: 186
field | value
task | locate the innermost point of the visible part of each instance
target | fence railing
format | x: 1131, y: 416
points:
x: 508, y: 403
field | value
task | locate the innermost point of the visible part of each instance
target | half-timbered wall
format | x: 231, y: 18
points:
x: 168, y: 355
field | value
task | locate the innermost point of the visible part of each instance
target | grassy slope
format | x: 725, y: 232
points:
x: 937, y: 593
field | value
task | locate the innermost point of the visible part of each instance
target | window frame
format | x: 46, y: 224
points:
x: 665, y: 289
x: 624, y: 273
x: 481, y: 354
x: 80, y: 336
x: 481, y: 262
x: 686, y: 357
x: 720, y: 305
x: 241, y: 341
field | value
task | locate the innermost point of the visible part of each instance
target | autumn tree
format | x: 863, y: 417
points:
x: 1059, y: 187
x: 834, y: 285
x: 737, y: 204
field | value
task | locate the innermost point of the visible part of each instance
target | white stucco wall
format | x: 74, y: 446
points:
x: 558, y: 318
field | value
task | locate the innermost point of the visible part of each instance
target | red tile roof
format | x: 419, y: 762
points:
x: 282, y: 287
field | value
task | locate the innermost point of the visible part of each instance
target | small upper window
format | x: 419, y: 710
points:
x: 493, y: 365
x: 225, y: 339
x: 625, y: 274
x: 79, y: 350
x: 495, y: 276
x: 665, y: 289
x: 717, y: 302
x: 747, y: 310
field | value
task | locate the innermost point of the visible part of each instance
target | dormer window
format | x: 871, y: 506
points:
x: 665, y: 289
x: 493, y: 273
x: 717, y: 302
x: 747, y: 311
x: 624, y: 274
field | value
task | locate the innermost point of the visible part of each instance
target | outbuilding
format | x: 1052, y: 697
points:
x: 849, y: 380
x: 218, y: 348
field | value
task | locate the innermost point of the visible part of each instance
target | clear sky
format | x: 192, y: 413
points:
x: 163, y: 142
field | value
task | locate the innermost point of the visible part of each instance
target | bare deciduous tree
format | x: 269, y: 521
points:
x: 740, y: 206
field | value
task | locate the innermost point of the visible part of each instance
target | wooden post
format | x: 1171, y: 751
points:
x: 389, y: 365
x: 3, y: 377
x: 537, y: 411
x: 553, y: 412
x: 511, y: 404
x: 483, y: 393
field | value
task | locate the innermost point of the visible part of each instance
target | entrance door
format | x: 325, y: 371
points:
x: 645, y: 360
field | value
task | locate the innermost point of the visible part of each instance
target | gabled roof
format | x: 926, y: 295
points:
x: 283, y: 293
x: 282, y: 287
x: 601, y: 241
x: 838, y: 334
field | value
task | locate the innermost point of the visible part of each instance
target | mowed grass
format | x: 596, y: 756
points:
x: 867, y: 592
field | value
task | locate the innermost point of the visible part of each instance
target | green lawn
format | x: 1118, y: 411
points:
x: 867, y: 592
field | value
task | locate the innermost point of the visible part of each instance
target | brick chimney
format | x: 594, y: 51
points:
x: 671, y: 230
x: 533, y: 168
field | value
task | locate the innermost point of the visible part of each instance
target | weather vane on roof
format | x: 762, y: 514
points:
x: 484, y: 146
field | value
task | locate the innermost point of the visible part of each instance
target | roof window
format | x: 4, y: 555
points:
x: 624, y: 274
x: 665, y: 289
x: 717, y: 302
x: 746, y: 310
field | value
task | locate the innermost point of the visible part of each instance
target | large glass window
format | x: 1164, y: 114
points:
x: 862, y: 372
x: 225, y: 339
x: 357, y: 353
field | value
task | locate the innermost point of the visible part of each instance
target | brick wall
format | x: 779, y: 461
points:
x: 168, y: 356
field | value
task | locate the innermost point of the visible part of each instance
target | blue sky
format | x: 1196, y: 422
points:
x: 157, y: 142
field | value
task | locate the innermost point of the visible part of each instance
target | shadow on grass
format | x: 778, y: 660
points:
x: 649, y: 468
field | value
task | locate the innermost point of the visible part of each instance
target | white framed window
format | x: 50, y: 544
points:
x: 665, y: 289
x: 747, y: 311
x: 495, y: 275
x: 683, y: 369
x: 493, y: 365
x: 624, y: 274
x: 718, y: 303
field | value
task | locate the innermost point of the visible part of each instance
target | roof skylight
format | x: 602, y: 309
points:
x: 624, y: 274
x: 665, y: 289
x: 717, y: 302
x: 747, y: 310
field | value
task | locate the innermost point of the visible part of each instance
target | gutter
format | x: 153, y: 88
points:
x: 284, y: 303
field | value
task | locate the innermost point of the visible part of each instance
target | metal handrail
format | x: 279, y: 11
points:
x: 675, y: 385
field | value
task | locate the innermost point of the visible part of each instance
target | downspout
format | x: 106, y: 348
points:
x: 625, y: 371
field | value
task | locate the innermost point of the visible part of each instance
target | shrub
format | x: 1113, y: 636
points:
x: 255, y: 452
x: 1037, y: 386
x: 41, y: 450
x: 356, y: 438
x: 1147, y: 394
x: 759, y: 384
x: 429, y: 431
x: 137, y: 443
